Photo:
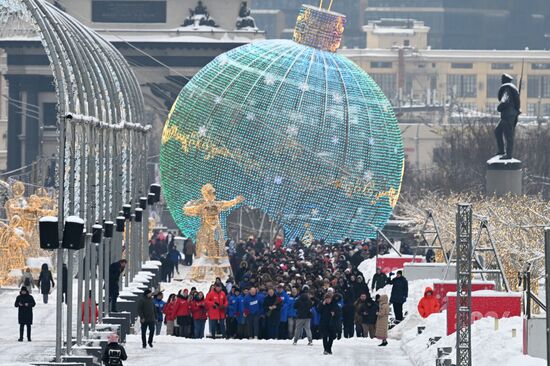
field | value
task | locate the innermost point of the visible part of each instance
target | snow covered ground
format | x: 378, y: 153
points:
x: 171, y: 351
x: 489, y: 346
x: 406, y: 347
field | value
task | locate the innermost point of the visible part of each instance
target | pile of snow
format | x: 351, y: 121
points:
x: 489, y: 346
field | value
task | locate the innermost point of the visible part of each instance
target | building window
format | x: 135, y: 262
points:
x: 381, y: 65
x: 502, y: 66
x: 386, y: 82
x: 462, y: 65
x: 540, y: 66
x: 462, y: 86
x: 532, y: 109
x: 406, y: 43
x: 538, y: 86
x: 49, y: 115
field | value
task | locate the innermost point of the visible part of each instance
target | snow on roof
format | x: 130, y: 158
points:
x: 391, y: 31
x: 48, y: 219
x: 75, y: 220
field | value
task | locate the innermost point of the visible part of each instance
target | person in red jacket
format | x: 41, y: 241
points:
x: 170, y: 315
x: 199, y: 312
x: 216, y: 303
x: 428, y: 304
x: 182, y: 313
x: 90, y: 316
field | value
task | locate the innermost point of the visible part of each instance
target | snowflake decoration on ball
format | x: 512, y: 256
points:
x: 292, y: 130
x: 202, y: 131
x: 269, y: 80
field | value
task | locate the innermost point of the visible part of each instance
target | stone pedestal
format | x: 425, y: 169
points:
x: 503, y: 177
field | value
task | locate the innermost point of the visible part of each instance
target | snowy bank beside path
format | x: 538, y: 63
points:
x: 489, y: 346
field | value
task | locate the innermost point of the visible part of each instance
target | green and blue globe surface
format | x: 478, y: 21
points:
x: 303, y: 134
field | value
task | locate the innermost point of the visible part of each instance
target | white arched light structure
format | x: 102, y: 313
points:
x: 102, y: 135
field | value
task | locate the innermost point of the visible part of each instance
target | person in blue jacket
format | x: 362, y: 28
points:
x: 174, y: 256
x: 242, y: 328
x: 291, y: 312
x: 283, y: 323
x: 233, y: 312
x: 253, y: 310
x: 315, y: 320
x: 159, y: 307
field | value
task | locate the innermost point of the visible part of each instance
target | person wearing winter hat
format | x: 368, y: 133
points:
x: 147, y: 316
x: 183, y: 315
x: 114, y: 353
x: 24, y: 302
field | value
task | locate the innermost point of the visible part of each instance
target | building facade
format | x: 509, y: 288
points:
x: 473, y: 24
x: 165, y: 41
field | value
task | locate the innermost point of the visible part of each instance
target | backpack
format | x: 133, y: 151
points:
x: 27, y: 282
x: 114, y: 357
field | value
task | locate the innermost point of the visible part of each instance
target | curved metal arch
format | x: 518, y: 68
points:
x: 91, y: 77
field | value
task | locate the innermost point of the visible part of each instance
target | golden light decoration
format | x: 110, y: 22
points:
x: 516, y: 224
x: 30, y: 210
x: 13, y: 246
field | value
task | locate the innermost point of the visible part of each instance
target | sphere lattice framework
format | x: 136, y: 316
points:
x: 303, y: 134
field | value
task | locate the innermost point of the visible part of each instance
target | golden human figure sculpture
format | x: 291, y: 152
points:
x: 210, y: 237
x: 12, y: 248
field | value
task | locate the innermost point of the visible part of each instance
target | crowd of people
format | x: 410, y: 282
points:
x: 284, y: 292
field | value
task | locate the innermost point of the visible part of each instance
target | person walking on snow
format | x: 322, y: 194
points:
x: 428, y: 304
x: 303, y: 305
x: 330, y: 313
x: 45, y: 282
x: 159, y: 307
x: 27, y: 280
x: 114, y: 353
x: 382, y: 320
x: 399, y: 294
x: 24, y: 303
x: 147, y: 317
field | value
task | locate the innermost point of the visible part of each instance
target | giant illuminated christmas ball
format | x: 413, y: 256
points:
x: 300, y: 131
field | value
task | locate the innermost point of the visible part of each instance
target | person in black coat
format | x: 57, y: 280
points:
x: 272, y: 308
x: 45, y: 282
x: 115, y: 269
x: 303, y: 316
x: 360, y: 287
x: 64, y: 283
x: 24, y: 303
x: 370, y: 314
x: 379, y: 280
x: 330, y: 314
x: 114, y: 353
x: 399, y: 294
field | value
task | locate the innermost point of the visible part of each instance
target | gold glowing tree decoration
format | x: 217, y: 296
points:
x: 210, y: 237
x: 13, y: 246
x: 30, y: 210
x: 516, y: 224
